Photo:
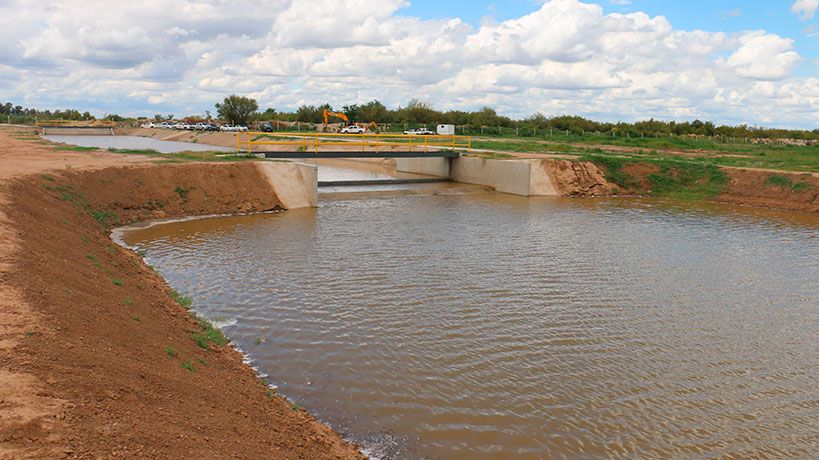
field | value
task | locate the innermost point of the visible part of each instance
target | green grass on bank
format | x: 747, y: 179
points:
x: 674, y: 178
x: 779, y: 157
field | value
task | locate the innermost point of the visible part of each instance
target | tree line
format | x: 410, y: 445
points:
x: 244, y: 110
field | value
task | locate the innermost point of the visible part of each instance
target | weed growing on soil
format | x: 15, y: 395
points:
x: 135, y: 151
x: 170, y: 351
x: 786, y: 182
x: 613, y: 170
x: 136, y: 318
x: 84, y: 238
x: 202, y: 362
x: 183, y: 300
x: 687, y: 180
x: 188, y: 365
x: 271, y: 393
x: 128, y: 301
x: 29, y: 334
x: 48, y: 177
x: 182, y: 192
x: 74, y: 148
x: 209, y: 334
x: 259, y: 340
x: 117, y: 282
x: 68, y: 193
x: 678, y: 179
x: 295, y: 406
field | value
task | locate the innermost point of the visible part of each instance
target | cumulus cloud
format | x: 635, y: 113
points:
x: 566, y: 57
x: 805, y: 8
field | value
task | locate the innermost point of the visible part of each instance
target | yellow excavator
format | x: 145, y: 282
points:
x: 328, y: 114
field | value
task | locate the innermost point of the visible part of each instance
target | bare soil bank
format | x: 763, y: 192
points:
x: 747, y: 187
x: 98, y: 360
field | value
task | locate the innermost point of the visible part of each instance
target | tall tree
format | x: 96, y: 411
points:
x: 237, y: 110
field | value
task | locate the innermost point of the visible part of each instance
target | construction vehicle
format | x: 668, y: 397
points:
x: 328, y: 114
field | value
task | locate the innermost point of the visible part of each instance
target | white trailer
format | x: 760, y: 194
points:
x: 446, y: 130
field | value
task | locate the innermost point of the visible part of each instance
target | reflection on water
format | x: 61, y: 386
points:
x: 492, y: 326
x: 135, y: 143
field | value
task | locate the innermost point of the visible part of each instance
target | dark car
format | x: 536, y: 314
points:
x: 266, y: 128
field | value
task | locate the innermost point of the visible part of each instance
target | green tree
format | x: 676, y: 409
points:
x: 237, y: 110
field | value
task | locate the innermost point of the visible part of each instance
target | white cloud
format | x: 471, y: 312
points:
x: 763, y: 56
x: 805, y: 8
x: 181, y: 56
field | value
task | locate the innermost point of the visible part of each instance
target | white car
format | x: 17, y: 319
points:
x: 419, y: 132
x: 353, y: 129
x: 240, y: 128
x: 148, y: 125
x: 227, y: 128
x: 166, y: 125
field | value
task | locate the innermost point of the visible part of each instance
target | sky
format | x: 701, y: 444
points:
x: 751, y: 61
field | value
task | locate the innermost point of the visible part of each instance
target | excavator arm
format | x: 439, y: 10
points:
x: 328, y: 114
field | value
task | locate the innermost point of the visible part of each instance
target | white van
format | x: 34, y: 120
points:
x: 446, y: 130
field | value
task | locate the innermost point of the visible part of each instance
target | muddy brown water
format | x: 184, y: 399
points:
x: 491, y: 326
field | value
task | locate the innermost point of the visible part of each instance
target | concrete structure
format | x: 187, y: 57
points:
x: 518, y: 177
x: 296, y: 184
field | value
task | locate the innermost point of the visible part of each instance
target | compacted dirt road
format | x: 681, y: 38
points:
x: 97, y: 360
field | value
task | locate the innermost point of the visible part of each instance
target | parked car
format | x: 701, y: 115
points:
x: 166, y: 125
x: 419, y: 132
x: 266, y: 128
x: 201, y: 126
x: 150, y: 124
x: 240, y: 128
x: 353, y: 129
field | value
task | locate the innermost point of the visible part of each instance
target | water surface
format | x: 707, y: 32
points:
x: 492, y: 326
x: 135, y: 143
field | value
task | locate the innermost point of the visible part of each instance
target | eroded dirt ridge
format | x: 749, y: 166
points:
x: 99, y: 358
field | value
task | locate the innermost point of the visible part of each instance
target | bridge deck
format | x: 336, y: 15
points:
x: 361, y: 154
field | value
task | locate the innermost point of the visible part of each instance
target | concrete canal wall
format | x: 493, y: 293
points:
x: 518, y: 177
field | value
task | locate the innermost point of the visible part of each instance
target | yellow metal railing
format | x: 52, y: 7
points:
x: 77, y: 123
x: 313, y: 142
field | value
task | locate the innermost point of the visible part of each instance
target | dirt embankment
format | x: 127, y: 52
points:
x: 98, y: 360
x: 747, y: 187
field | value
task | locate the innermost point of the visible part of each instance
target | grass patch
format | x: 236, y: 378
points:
x: 48, y: 177
x: 203, y: 362
x: 135, y: 151
x: 688, y: 181
x: 117, y: 282
x: 70, y: 194
x: 128, y: 301
x: 779, y: 180
x: 74, y: 148
x: 136, y: 318
x: 183, y: 193
x: 170, y: 351
x: 295, y: 406
x: 188, y: 366
x: 183, y: 300
x: 208, y: 335
x: 613, y: 170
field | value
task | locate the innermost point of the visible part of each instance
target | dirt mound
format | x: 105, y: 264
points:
x: 96, y: 359
x: 141, y: 193
x: 114, y: 345
x: 574, y: 178
x: 792, y: 191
